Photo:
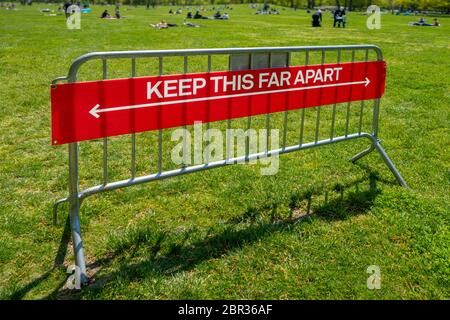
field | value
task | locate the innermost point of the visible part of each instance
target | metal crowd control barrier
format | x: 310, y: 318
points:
x: 239, y: 58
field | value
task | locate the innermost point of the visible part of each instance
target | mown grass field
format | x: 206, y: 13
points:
x: 308, y: 232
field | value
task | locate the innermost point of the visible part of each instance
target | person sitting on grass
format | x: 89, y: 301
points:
x: 197, y: 15
x: 105, y: 15
x: 225, y: 16
x: 118, y: 16
x: 436, y: 23
x: 189, y: 15
x: 217, y: 15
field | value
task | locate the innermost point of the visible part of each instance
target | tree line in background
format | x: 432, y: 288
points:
x: 402, y: 5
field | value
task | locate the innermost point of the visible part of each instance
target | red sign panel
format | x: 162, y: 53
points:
x: 90, y: 110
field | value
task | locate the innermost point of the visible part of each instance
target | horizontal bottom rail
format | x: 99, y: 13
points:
x: 216, y: 164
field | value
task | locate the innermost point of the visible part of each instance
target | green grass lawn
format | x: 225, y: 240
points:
x: 228, y: 233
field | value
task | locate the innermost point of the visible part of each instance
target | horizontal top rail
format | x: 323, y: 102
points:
x: 72, y: 76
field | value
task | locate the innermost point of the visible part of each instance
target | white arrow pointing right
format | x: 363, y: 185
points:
x: 95, y: 111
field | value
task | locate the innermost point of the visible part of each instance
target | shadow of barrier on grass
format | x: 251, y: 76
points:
x: 58, y: 262
x: 170, y: 252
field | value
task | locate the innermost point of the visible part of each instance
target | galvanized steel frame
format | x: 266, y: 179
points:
x: 76, y: 196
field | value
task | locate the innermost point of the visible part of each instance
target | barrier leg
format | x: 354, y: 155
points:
x: 362, y: 154
x: 390, y: 164
x: 80, y: 276
x: 376, y: 145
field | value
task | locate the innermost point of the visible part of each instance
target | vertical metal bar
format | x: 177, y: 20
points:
x: 228, y: 130
x: 249, y: 121
x: 316, y: 136
x: 333, y: 115
x: 133, y: 67
x: 105, y: 140
x: 302, y: 123
x: 376, y: 115
x: 209, y: 63
x: 361, y: 116
x: 268, y: 113
x: 366, y: 58
x: 74, y: 211
x: 185, y: 70
x: 105, y: 161
x: 133, y: 136
x: 207, y: 123
x: 228, y: 139
x: 160, y: 72
x: 347, y: 117
x: 285, y: 119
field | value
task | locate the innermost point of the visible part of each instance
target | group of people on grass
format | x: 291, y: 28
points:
x: 178, y: 11
x: 217, y: 16
x: 117, y: 15
x: 266, y: 9
x: 164, y: 25
x: 338, y: 16
x: 220, y: 16
x: 106, y: 15
x: 270, y: 11
x: 8, y: 6
x: 340, y: 19
x: 422, y: 23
